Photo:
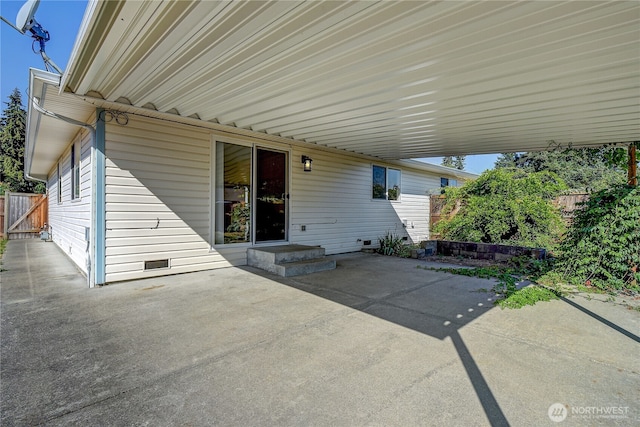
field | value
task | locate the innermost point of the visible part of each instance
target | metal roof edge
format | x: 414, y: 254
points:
x: 443, y: 170
x: 89, y: 39
x: 240, y: 132
x: 87, y: 20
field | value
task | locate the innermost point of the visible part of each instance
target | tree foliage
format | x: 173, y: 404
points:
x: 602, y: 247
x: 584, y: 169
x: 456, y: 162
x: 12, y: 142
x: 505, y: 206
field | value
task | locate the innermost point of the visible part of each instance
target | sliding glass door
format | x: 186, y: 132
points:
x: 250, y: 194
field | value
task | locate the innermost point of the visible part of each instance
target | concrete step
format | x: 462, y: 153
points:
x: 307, y: 266
x: 282, y: 254
x: 290, y: 260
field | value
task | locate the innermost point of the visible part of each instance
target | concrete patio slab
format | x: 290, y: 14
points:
x: 377, y: 341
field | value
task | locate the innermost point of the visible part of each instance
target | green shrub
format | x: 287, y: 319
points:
x: 602, y: 246
x: 505, y: 206
x: 392, y: 244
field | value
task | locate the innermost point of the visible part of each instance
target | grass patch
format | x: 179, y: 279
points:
x: 527, y: 296
x: 3, y: 246
x: 509, y: 296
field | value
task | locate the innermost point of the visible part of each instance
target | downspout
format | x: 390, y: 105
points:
x: 37, y: 107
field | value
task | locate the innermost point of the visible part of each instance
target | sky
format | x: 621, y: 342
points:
x: 475, y: 164
x: 62, y: 20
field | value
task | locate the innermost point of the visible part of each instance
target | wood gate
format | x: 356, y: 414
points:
x: 23, y: 215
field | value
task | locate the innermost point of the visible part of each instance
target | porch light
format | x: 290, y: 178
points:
x: 307, y: 163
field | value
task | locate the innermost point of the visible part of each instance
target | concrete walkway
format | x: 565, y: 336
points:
x: 375, y: 342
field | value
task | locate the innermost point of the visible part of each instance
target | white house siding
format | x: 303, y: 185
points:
x: 334, y: 202
x: 69, y: 218
x: 158, y: 200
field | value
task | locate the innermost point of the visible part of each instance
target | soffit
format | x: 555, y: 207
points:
x: 48, y: 137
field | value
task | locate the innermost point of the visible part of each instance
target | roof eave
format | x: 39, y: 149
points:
x: 38, y: 82
x: 438, y: 169
x: 61, y: 114
x: 98, y: 19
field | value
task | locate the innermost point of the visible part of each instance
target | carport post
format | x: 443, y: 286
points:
x: 98, y: 221
x: 632, y: 174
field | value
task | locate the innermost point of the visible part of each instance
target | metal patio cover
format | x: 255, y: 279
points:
x: 393, y: 79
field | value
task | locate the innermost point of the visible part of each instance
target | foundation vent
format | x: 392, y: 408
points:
x: 158, y: 263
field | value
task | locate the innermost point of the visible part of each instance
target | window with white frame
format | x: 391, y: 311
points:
x: 386, y: 183
x: 75, y: 171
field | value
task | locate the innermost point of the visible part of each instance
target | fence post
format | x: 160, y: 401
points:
x: 7, y: 200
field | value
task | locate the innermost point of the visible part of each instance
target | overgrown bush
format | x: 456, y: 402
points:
x: 505, y: 206
x: 602, y: 246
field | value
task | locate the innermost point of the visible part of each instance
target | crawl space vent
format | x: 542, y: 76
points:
x: 159, y: 263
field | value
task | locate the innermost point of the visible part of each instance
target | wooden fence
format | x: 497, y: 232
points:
x: 23, y: 215
x: 568, y: 203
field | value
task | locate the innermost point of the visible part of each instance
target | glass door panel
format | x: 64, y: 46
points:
x: 233, y: 194
x: 271, y: 196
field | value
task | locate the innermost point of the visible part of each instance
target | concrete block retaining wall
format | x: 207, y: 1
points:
x: 481, y: 250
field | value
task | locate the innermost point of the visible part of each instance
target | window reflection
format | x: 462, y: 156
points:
x: 233, y: 194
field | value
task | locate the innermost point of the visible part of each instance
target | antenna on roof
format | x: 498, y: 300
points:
x: 26, y: 21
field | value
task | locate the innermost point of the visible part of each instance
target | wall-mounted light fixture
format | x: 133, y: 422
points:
x: 306, y: 161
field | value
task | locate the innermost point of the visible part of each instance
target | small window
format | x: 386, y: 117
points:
x: 59, y: 185
x: 75, y: 171
x: 386, y: 183
x: 447, y: 182
x: 393, y: 184
x: 379, y: 182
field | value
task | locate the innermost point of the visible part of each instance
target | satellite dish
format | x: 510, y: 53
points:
x: 25, y: 19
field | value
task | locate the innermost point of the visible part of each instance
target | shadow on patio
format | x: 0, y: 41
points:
x: 433, y: 303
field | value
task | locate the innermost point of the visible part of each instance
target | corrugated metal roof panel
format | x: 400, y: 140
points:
x: 389, y: 79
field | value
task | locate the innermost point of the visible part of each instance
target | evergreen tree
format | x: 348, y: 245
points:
x: 12, y: 141
x: 456, y: 162
x: 583, y: 169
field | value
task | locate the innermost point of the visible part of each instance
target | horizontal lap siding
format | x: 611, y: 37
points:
x: 158, y: 186
x: 69, y: 219
x: 415, y: 205
x: 158, y: 200
x: 334, y: 202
